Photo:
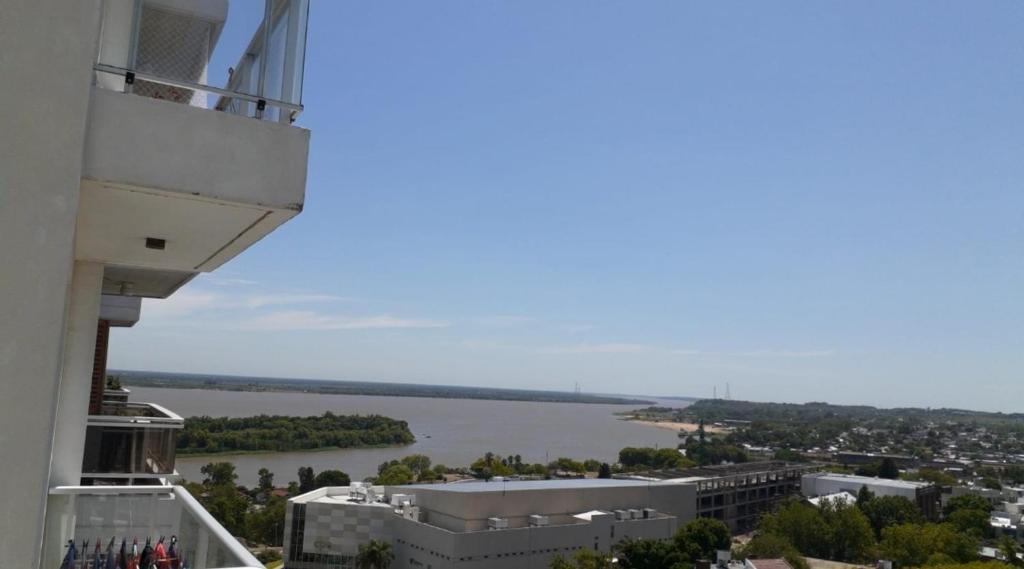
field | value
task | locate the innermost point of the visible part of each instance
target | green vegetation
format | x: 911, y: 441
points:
x: 646, y: 458
x: 698, y: 539
x: 583, y: 559
x: 208, y: 435
x: 374, y: 554
x: 228, y: 383
x: 882, y: 527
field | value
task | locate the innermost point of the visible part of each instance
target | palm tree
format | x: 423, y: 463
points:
x: 374, y: 554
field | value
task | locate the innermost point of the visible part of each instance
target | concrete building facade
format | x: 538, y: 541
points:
x: 117, y: 178
x: 737, y: 494
x: 477, y: 525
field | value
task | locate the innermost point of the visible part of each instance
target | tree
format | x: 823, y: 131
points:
x: 851, y: 537
x: 885, y: 511
x: 267, y: 525
x: 374, y: 554
x: 266, y: 482
x: 771, y: 546
x: 648, y: 554
x: 971, y: 521
x: 933, y: 475
x: 582, y: 559
x: 864, y: 495
x: 219, y: 474
x: 307, y: 480
x: 801, y: 525
x: 605, y: 471
x: 331, y: 478
x: 1008, y: 547
x: 227, y: 506
x: 396, y: 475
x: 418, y: 463
x: 701, y: 538
x: 888, y: 469
x: 967, y: 502
x: 592, y: 465
x: 912, y: 545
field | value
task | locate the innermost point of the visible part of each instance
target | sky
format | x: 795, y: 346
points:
x: 806, y: 201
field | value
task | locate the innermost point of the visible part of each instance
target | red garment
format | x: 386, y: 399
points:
x: 160, y: 554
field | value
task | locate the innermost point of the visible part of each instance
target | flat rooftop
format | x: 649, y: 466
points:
x: 705, y: 472
x: 889, y: 483
x: 525, y: 485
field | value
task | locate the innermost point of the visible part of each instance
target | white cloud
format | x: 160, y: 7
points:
x: 504, y: 320
x: 611, y: 348
x: 310, y: 320
x: 228, y: 309
x: 260, y: 300
x: 762, y: 353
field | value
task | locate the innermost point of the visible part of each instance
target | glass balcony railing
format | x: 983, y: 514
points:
x: 85, y: 514
x: 163, y: 48
x: 130, y: 440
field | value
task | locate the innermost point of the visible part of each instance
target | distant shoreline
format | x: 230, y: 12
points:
x: 676, y: 426
x: 180, y: 454
x: 274, y: 385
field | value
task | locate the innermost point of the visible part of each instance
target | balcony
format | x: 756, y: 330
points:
x: 181, y: 175
x: 130, y: 441
x: 83, y: 513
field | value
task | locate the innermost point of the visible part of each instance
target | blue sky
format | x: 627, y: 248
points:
x: 809, y: 201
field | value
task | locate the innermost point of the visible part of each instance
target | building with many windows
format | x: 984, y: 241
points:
x: 478, y: 525
x: 737, y: 494
x: 126, y: 169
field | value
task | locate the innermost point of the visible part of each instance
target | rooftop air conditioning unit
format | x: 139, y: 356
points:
x: 497, y: 523
x: 621, y: 515
x: 537, y: 520
x: 397, y: 499
x: 650, y: 513
x: 634, y: 514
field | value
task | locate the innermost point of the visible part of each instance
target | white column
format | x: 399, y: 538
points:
x: 76, y: 376
x: 72, y: 406
x: 48, y: 49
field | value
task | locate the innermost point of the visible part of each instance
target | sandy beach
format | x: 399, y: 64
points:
x: 676, y: 426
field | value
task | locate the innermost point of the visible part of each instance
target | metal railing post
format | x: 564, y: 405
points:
x: 261, y: 81
x: 133, y: 43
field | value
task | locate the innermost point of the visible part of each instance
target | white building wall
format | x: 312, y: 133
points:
x: 818, y: 485
x: 46, y: 55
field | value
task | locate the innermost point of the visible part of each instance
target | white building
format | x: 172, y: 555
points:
x: 480, y: 525
x: 124, y: 171
x: 926, y: 495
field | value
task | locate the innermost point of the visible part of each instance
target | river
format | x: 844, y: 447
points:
x: 452, y: 432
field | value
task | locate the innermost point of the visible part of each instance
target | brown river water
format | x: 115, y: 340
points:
x: 453, y: 432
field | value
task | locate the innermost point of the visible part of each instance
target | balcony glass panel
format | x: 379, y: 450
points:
x: 138, y: 439
x: 82, y: 513
x: 162, y: 49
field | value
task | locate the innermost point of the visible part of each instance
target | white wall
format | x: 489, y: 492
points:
x: 46, y: 53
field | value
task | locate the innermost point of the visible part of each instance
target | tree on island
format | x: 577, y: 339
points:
x: 605, y: 471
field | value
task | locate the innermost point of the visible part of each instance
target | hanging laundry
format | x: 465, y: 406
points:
x: 69, y: 557
x: 146, y: 558
x: 122, y: 557
x: 160, y: 555
x: 172, y: 553
x: 111, y: 561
